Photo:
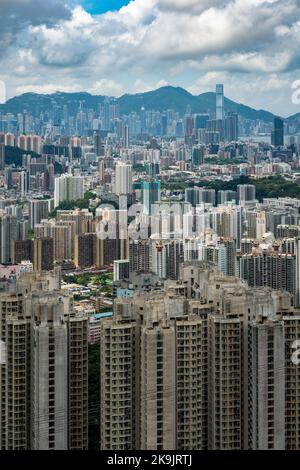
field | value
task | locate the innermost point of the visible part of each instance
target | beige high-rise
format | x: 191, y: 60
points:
x: 204, y: 363
x: 44, y: 398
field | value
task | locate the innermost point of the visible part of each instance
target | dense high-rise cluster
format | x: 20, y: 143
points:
x: 44, y: 366
x: 203, y: 363
x: 149, y: 277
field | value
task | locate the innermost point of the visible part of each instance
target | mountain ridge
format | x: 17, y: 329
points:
x: 161, y: 99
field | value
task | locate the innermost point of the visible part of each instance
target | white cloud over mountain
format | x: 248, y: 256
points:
x: 152, y: 41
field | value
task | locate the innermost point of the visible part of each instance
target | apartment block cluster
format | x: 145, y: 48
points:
x: 43, y: 367
x: 257, y: 242
x: 201, y: 349
x: 204, y: 362
x: 240, y: 238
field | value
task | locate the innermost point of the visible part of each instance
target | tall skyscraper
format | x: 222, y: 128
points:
x: 8, y: 178
x: 220, y: 102
x: 227, y: 256
x: 2, y: 156
x: 246, y: 192
x: 49, y: 178
x: 101, y: 168
x: 63, y: 234
x: 38, y: 210
x: 198, y: 155
x: 43, y: 254
x: 226, y: 196
x: 232, y: 127
x: 110, y: 250
x: 68, y: 188
x: 277, y: 137
x: 106, y: 122
x: 85, y: 250
x: 215, y: 131
x: 139, y: 255
x: 45, y: 368
x: 166, y: 256
x: 121, y: 270
x: 200, y: 121
x: 123, y: 178
x: 197, y: 196
x: 8, y: 233
x: 21, y: 250
x: 150, y: 194
x: 82, y: 219
x: 98, y: 147
x: 126, y: 136
x: 10, y: 139
x: 24, y: 182
x: 266, y: 378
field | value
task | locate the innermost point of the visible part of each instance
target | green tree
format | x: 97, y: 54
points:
x: 90, y: 195
x: 70, y: 206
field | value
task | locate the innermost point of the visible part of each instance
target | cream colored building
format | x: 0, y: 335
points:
x: 204, y: 363
x: 44, y: 396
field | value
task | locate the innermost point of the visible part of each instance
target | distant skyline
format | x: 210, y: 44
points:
x: 116, y: 47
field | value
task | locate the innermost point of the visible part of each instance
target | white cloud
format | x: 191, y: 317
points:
x: 265, y: 91
x: 47, y: 89
x: 207, y: 82
x: 262, y: 84
x: 149, y: 43
x: 244, y: 33
x: 16, y: 15
x: 26, y: 55
x: 194, y: 6
x: 107, y: 87
x: 242, y: 25
x: 68, y: 43
x: 245, y: 62
x: 141, y: 87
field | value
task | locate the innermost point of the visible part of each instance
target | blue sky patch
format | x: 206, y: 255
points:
x: 97, y: 7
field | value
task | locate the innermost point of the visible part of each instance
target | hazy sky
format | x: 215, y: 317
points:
x: 115, y: 47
